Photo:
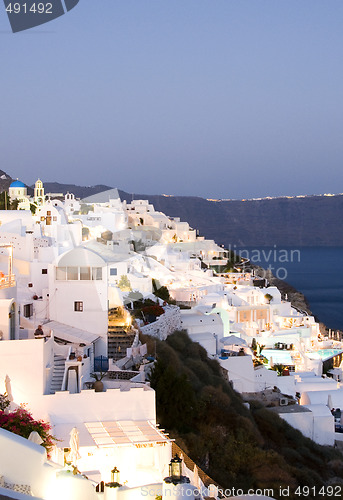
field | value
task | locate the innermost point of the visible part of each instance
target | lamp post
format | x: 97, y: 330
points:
x: 111, y: 489
x: 175, y: 469
x: 175, y: 472
x: 115, y: 475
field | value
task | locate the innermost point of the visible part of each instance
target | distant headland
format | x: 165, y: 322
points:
x: 286, y: 221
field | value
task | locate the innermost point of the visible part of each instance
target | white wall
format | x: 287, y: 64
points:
x: 38, y: 279
x: 321, y: 397
x: 240, y: 372
x: 316, y: 384
x: 265, y: 379
x: 137, y: 403
x: 197, y: 322
x: 22, y: 245
x: 317, y: 424
x: 23, y: 362
x: 24, y: 462
x: 206, y: 340
x: 93, y: 294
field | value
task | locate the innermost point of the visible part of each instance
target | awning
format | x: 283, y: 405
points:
x: 111, y: 433
x: 70, y: 333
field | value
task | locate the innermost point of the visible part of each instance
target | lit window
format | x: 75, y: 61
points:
x: 96, y: 273
x: 72, y: 273
x: 61, y: 273
x: 85, y: 273
x: 78, y: 306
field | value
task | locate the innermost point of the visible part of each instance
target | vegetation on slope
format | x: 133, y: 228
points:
x: 236, y: 446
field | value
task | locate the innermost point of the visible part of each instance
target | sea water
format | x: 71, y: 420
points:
x: 317, y: 272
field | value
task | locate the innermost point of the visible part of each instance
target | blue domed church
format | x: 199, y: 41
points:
x: 18, y: 191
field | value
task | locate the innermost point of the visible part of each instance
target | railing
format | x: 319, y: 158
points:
x: 205, y: 478
x: 101, y: 364
x: 65, y: 376
x: 7, y: 281
x: 122, y: 374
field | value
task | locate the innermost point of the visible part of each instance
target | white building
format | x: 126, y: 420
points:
x: 18, y: 191
x: 39, y: 196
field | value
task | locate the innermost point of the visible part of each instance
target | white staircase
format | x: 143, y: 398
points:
x: 58, y: 374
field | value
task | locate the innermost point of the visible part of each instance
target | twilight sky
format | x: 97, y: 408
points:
x: 214, y: 98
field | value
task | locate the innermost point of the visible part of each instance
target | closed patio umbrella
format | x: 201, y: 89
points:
x: 74, y: 445
x: 8, y: 388
x: 34, y: 437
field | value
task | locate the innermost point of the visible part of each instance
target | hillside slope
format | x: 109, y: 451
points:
x: 236, y: 446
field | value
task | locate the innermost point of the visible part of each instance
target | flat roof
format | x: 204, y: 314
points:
x: 70, y: 333
x: 290, y: 409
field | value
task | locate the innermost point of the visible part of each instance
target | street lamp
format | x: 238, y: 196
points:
x: 175, y: 469
x: 115, y: 475
x: 175, y: 472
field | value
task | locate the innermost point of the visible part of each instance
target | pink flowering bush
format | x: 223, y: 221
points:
x: 20, y: 421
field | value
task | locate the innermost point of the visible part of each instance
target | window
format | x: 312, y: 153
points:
x: 75, y: 273
x: 96, y: 273
x: 72, y: 273
x: 61, y: 273
x: 28, y: 310
x: 113, y: 271
x: 78, y: 306
x: 44, y: 271
x: 85, y: 273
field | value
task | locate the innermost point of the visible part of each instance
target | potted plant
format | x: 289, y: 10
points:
x: 268, y: 297
x: 98, y: 384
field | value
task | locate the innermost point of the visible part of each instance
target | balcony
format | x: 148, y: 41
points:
x: 7, y: 280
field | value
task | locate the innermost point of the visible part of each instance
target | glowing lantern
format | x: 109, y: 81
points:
x: 115, y: 475
x: 175, y: 469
